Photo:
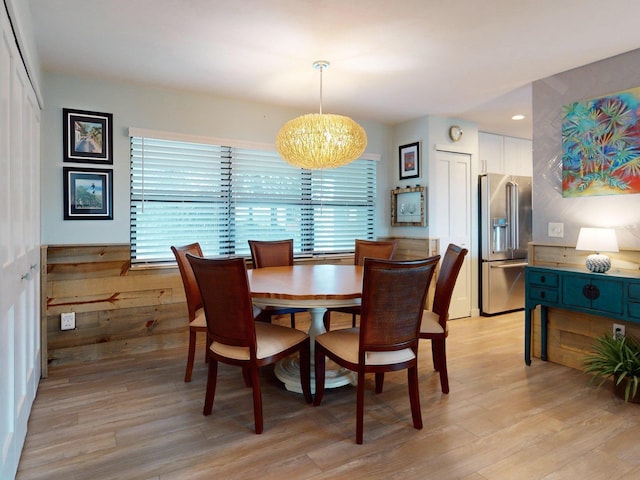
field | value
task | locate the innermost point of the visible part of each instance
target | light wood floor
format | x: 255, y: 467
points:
x: 134, y: 418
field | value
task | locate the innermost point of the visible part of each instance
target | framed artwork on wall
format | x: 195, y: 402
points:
x: 87, y: 136
x: 88, y: 194
x: 409, y: 160
x: 408, y: 207
x: 600, y: 145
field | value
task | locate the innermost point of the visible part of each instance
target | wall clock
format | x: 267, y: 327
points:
x: 455, y: 133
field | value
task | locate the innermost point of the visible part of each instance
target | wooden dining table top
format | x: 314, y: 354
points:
x: 307, y: 282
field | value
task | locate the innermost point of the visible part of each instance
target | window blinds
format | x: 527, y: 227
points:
x: 222, y: 196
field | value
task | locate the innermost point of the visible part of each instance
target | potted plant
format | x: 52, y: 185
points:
x: 617, y: 358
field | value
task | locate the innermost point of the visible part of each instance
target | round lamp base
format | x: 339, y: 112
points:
x: 598, y: 263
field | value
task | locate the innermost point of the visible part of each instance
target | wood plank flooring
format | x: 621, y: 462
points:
x: 134, y: 418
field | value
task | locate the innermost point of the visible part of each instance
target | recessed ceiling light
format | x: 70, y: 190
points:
x: 517, y: 117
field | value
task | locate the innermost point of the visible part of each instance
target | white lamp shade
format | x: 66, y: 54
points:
x: 597, y: 240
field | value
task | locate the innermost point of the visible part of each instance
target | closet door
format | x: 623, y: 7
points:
x: 19, y: 250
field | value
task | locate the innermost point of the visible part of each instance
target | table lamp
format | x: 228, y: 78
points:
x: 597, y: 240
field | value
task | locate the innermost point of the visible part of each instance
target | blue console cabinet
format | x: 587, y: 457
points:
x: 612, y: 295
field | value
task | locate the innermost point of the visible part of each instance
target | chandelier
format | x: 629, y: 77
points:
x: 321, y: 140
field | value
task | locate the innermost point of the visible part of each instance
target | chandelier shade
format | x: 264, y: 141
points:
x: 320, y: 140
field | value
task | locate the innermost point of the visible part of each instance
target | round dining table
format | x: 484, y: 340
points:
x: 316, y: 288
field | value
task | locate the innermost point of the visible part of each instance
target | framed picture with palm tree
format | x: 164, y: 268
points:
x: 600, y: 145
x: 88, y: 194
x: 88, y: 136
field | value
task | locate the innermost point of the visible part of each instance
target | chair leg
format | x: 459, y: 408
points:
x: 414, y: 396
x: 257, y: 399
x: 434, y: 356
x: 360, y: 408
x: 263, y: 316
x: 305, y: 370
x: 191, y: 355
x: 379, y: 382
x: 293, y: 320
x: 353, y: 320
x: 211, y: 386
x: 320, y: 373
x: 326, y: 319
x: 246, y: 376
x: 206, y: 350
x: 440, y: 356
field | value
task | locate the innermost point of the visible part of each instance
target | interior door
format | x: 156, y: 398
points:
x: 451, y: 195
x: 19, y: 250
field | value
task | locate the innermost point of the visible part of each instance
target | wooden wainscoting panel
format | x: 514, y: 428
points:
x: 571, y: 335
x: 410, y: 248
x: 118, y: 309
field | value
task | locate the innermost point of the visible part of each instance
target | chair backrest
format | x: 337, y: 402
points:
x: 277, y: 253
x: 382, y: 249
x: 393, y: 295
x: 447, y: 276
x: 194, y: 301
x: 224, y: 287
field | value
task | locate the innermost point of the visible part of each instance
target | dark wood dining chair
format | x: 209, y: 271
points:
x: 236, y: 339
x: 197, y: 321
x: 434, y: 321
x: 276, y: 253
x: 380, y: 249
x: 393, y: 296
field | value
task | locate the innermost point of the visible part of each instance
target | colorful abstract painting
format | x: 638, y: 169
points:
x: 601, y: 145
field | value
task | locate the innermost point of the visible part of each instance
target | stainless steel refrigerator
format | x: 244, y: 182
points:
x: 505, y: 231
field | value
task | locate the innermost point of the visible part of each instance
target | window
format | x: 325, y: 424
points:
x: 222, y: 196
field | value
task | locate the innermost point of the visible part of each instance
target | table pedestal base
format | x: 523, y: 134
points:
x: 288, y: 370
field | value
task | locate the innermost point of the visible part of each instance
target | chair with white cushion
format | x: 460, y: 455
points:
x: 197, y: 321
x: 236, y: 339
x: 434, y: 321
x: 393, y: 296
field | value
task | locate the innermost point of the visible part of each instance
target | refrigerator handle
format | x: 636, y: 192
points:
x: 512, y: 215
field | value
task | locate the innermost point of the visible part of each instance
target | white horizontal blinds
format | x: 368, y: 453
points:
x: 343, y: 202
x: 193, y: 191
x: 179, y: 195
x: 267, y: 199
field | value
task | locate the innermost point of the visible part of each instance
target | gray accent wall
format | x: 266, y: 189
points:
x: 621, y: 212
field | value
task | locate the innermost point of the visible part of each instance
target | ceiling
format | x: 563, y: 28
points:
x: 391, y: 61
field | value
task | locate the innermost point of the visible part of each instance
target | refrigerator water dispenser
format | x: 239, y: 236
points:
x: 499, y: 234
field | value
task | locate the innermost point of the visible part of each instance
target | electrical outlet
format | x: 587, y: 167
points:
x: 68, y: 321
x: 556, y: 230
x: 618, y: 330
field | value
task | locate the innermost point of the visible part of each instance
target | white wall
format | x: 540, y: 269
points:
x: 21, y: 22
x: 429, y: 131
x: 549, y: 95
x: 159, y: 109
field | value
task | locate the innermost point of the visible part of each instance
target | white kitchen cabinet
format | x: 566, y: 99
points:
x: 502, y: 154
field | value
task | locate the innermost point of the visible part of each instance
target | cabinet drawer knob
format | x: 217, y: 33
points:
x: 542, y: 279
x: 542, y: 294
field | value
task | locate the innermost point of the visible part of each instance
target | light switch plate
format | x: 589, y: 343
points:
x: 556, y: 230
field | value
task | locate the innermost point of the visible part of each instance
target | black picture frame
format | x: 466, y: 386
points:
x: 87, y: 136
x: 409, y: 158
x: 88, y: 193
